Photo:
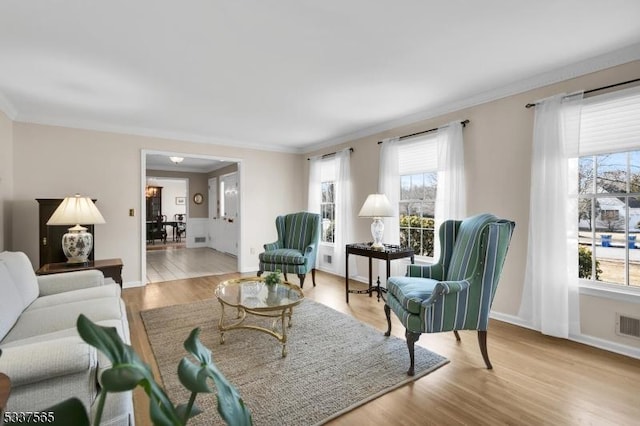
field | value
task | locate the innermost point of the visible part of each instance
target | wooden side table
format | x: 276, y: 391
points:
x: 111, y: 268
x: 5, y: 390
x: 389, y: 253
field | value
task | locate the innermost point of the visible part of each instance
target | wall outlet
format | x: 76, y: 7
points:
x: 252, y: 250
x: 132, y: 212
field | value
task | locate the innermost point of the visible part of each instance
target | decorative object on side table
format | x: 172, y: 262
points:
x: 376, y: 206
x: 77, y: 243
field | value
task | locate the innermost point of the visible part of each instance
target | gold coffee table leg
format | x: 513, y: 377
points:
x: 283, y: 339
x: 221, y: 324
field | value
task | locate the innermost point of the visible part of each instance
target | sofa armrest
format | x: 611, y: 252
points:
x: 47, y: 360
x: 68, y: 281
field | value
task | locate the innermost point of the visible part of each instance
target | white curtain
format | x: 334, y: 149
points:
x: 389, y: 184
x: 451, y: 196
x: 344, y: 212
x: 314, y: 196
x: 551, y: 275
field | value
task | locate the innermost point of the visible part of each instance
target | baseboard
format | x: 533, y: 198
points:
x: 606, y: 345
x: 132, y: 284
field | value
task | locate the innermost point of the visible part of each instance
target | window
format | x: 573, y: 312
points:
x: 418, y: 186
x: 328, y: 201
x: 609, y: 189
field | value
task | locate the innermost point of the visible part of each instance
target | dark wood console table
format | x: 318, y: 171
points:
x: 389, y: 253
x: 111, y: 268
x: 5, y: 389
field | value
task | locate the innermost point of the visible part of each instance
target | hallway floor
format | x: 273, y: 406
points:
x: 180, y: 263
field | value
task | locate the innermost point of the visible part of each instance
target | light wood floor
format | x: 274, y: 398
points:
x: 169, y: 263
x: 536, y: 380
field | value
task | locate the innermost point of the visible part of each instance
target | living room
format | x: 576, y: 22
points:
x: 108, y: 165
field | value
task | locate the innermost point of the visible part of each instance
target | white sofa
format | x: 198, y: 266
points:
x: 42, y: 352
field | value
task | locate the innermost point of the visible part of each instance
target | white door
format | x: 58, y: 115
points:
x: 215, y: 221
x: 229, y: 211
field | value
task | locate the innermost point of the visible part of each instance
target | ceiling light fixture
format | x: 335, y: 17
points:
x: 176, y: 160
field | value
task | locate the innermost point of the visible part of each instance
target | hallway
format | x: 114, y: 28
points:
x: 179, y: 263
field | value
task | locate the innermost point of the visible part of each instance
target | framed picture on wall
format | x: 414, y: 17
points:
x: 180, y: 201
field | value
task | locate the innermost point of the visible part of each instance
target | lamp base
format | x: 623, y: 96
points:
x: 377, y: 230
x: 77, y: 244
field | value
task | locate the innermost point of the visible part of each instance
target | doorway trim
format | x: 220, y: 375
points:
x: 143, y: 214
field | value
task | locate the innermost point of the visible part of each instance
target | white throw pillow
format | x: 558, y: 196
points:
x: 24, y: 278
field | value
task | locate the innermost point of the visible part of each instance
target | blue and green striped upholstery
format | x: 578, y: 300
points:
x: 457, y: 292
x: 296, y: 249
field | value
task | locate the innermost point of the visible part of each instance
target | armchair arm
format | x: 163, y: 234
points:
x: 310, y: 248
x: 444, y: 288
x: 273, y: 246
x: 433, y: 271
x: 67, y: 281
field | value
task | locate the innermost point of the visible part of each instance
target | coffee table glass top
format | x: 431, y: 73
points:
x: 252, y: 293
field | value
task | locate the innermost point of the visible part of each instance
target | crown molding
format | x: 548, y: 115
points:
x: 7, y: 107
x: 577, y: 69
x: 154, y: 133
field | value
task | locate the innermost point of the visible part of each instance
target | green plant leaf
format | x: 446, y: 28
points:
x: 126, y: 369
x: 193, y: 377
x: 182, y: 408
x: 68, y: 412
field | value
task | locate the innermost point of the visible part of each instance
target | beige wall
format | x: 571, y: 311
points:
x: 52, y: 162
x: 497, y: 145
x: 6, y: 180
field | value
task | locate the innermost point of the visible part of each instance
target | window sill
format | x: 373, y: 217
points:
x: 610, y: 291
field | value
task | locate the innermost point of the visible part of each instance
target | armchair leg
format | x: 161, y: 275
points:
x: 313, y: 276
x: 412, y: 338
x: 482, y: 340
x: 457, y: 335
x: 301, y: 276
x: 387, y: 312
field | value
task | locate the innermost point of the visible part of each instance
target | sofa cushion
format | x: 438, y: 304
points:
x: 24, y: 278
x: 289, y: 256
x: 411, y: 291
x: 39, y: 321
x: 10, y: 301
x: 111, y: 290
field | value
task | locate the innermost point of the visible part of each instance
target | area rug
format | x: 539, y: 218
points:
x: 334, y: 362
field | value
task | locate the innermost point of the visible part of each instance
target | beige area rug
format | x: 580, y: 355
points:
x: 334, y: 363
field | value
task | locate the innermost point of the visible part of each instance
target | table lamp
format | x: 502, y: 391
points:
x: 376, y: 206
x: 77, y: 243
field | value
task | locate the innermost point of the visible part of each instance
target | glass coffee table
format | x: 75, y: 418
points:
x: 253, y: 296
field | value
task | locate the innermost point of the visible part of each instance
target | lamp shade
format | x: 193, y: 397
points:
x: 376, y: 205
x: 76, y: 210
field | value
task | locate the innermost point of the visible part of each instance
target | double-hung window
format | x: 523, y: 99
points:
x: 418, y: 168
x: 328, y: 201
x: 609, y: 189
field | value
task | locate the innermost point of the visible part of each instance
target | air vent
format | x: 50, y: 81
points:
x: 327, y: 259
x: 201, y: 239
x: 627, y: 326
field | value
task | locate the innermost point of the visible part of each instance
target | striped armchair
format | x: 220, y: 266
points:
x: 456, y: 293
x: 296, y: 248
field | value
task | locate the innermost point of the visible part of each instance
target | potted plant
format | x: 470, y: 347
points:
x: 273, y: 278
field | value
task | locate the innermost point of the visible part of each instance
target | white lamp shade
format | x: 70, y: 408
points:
x: 76, y: 210
x: 376, y: 205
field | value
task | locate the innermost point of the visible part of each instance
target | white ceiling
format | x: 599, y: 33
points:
x: 291, y: 75
x: 188, y: 164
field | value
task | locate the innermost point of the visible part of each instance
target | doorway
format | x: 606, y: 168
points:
x: 197, y: 256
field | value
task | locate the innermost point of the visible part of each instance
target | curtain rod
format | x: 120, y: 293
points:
x: 463, y: 122
x: 597, y: 89
x: 330, y: 154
